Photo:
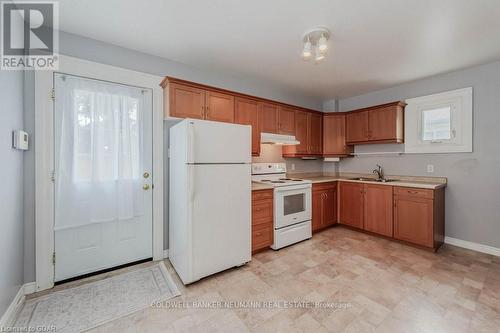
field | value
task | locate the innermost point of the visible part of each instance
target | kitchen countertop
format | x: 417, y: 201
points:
x: 407, y: 181
x: 431, y: 183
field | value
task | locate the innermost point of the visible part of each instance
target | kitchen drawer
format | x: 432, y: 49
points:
x: 324, y: 186
x: 262, y: 212
x: 414, y: 192
x: 262, y: 194
x: 262, y: 237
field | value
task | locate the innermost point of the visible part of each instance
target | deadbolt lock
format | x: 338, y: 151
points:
x: 145, y: 174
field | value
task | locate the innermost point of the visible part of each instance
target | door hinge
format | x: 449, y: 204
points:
x: 53, y: 258
x: 53, y: 176
x: 53, y: 94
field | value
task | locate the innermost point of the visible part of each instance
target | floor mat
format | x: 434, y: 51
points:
x: 90, y: 305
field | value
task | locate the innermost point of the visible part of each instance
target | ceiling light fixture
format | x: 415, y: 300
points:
x: 317, y: 37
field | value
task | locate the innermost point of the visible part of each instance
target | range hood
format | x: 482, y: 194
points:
x: 278, y: 139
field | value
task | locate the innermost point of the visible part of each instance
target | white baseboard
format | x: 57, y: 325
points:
x: 29, y: 288
x: 473, y: 246
x: 8, y: 317
x: 10, y: 314
x: 165, y: 254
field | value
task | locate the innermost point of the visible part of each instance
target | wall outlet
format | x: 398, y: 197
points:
x: 293, y: 166
x: 430, y: 168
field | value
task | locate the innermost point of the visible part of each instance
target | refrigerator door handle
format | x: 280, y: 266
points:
x: 191, y: 183
x: 190, y: 148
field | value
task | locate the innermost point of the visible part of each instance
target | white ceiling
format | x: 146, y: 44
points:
x: 374, y: 44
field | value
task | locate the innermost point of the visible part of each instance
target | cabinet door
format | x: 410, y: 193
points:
x: 357, y: 127
x: 268, y: 118
x: 413, y: 220
x: 382, y: 123
x: 186, y: 101
x: 315, y: 134
x: 301, y: 132
x: 286, y: 121
x: 246, y: 112
x: 317, y: 209
x: 378, y: 209
x: 219, y: 107
x: 330, y: 206
x: 351, y: 204
x: 334, y: 136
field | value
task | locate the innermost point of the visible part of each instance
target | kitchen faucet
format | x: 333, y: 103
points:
x: 379, y: 172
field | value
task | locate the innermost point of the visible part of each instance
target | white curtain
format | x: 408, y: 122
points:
x: 98, y: 151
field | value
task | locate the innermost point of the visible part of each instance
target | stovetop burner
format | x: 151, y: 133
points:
x: 278, y: 181
x: 285, y: 179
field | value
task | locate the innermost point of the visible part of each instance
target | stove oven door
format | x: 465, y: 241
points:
x: 292, y: 205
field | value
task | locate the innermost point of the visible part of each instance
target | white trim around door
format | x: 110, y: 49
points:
x: 44, y: 155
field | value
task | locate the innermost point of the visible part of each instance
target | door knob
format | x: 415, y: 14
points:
x: 145, y: 187
x: 145, y: 174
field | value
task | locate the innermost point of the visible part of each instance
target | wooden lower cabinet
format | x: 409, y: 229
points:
x: 324, y: 205
x: 419, y: 216
x: 378, y: 209
x: 412, y: 215
x: 351, y: 204
x: 262, y: 219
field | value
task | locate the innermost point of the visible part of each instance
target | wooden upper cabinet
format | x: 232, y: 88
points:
x: 185, y: 101
x: 377, y: 124
x: 357, y: 127
x: 246, y: 112
x: 286, y: 120
x: 334, y: 135
x: 378, y: 209
x: 219, y: 107
x: 301, y: 133
x: 351, y: 204
x: 268, y: 117
x: 384, y: 124
x: 315, y: 133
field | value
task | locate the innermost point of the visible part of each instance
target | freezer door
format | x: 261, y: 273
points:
x: 221, y: 217
x: 217, y: 142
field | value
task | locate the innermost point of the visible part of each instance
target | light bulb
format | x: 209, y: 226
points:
x: 307, y: 51
x: 322, y: 46
x: 319, y: 56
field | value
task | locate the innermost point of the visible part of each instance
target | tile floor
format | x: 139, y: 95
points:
x: 376, y: 284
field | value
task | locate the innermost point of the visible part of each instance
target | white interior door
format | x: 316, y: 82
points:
x: 103, y: 175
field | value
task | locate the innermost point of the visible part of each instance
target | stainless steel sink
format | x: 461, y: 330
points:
x: 364, y: 179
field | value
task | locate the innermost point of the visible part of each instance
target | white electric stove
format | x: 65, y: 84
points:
x: 292, y: 203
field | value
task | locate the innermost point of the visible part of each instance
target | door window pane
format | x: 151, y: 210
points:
x: 436, y: 124
x: 293, y: 203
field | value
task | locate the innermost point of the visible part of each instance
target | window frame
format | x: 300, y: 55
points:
x: 460, y: 103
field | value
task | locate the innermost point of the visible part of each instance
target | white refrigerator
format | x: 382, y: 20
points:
x: 210, y: 197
